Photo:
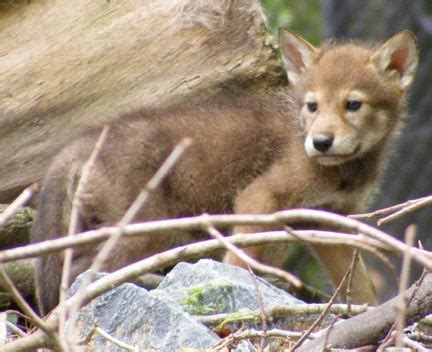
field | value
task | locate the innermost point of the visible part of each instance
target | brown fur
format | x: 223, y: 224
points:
x: 248, y: 156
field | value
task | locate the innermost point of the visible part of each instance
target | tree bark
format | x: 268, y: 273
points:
x: 70, y: 64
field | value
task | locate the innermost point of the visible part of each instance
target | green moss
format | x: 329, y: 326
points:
x: 206, y: 298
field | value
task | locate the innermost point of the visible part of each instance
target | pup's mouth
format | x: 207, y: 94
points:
x: 336, y: 159
x: 333, y: 159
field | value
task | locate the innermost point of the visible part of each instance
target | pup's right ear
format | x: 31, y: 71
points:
x: 297, y: 54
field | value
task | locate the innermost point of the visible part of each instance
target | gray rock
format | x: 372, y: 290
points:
x: 130, y: 314
x: 210, y: 287
x: 159, y: 319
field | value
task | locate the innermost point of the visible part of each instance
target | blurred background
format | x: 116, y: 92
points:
x: 409, y: 171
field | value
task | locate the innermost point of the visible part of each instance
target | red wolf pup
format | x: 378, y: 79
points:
x: 321, y: 143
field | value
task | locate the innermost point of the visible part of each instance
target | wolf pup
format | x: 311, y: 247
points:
x: 322, y: 143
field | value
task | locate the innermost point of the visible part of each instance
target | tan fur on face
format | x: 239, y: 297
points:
x: 339, y: 76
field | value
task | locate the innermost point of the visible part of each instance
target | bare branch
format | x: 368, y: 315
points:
x: 395, y: 211
x: 189, y: 224
x: 74, y: 224
x: 285, y: 310
x: 387, y: 210
x: 282, y: 274
x: 371, y: 326
x: 18, y: 203
x: 250, y: 334
x: 133, y: 210
x: 28, y: 311
x: 15, y: 329
x: 354, y: 262
x: 110, y: 338
x: 403, y: 285
x: 420, y: 204
x: 327, y: 309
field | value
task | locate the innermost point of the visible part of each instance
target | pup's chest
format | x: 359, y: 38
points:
x: 343, y: 197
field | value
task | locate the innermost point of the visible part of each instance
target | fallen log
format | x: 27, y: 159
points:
x: 68, y: 65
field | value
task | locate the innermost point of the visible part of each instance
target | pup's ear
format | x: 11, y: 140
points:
x: 297, y: 54
x: 398, y: 58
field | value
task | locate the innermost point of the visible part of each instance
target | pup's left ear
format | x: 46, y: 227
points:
x: 398, y: 58
x: 297, y: 54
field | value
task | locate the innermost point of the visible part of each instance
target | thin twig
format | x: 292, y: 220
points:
x: 15, y: 329
x: 110, y: 338
x: 388, y: 210
x: 18, y: 203
x: 417, y: 205
x: 329, y: 240
x: 263, y: 268
x: 283, y: 310
x: 261, y: 307
x: 356, y: 257
x: 403, y: 285
x: 74, y: 227
x: 3, y: 328
x: 391, y: 332
x: 250, y: 334
x: 324, y: 313
x: 420, y: 336
x: 330, y: 329
x: 133, y: 210
x: 7, y: 283
x: 414, y: 345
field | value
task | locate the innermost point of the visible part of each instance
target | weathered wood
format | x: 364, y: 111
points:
x: 70, y: 64
x: 370, y: 327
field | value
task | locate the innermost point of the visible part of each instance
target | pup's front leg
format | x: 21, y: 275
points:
x: 257, y: 199
x: 337, y: 260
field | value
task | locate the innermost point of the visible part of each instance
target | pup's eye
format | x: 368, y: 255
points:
x: 353, y: 105
x: 312, y: 106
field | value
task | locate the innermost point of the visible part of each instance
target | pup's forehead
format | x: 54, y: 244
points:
x: 343, y: 67
x: 344, y: 94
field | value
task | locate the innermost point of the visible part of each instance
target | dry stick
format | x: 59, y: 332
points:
x: 403, y: 285
x: 110, y: 338
x: 261, y: 307
x: 329, y: 304
x: 355, y: 260
x: 330, y: 329
x: 18, y: 203
x: 74, y: 224
x: 125, y: 274
x: 15, y: 329
x: 370, y: 327
x: 263, y: 268
x: 133, y: 210
x: 414, y: 345
x: 93, y: 237
x: 194, y: 223
x: 310, y: 238
x: 404, y: 211
x: 7, y: 283
x: 420, y: 336
x: 388, y: 210
x: 390, y: 334
x: 249, y: 262
x: 250, y: 334
x: 3, y: 328
x: 284, y: 310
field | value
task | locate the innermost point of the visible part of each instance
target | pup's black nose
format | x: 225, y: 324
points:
x: 323, y: 141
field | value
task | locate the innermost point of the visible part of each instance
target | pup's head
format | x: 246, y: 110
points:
x: 350, y: 95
